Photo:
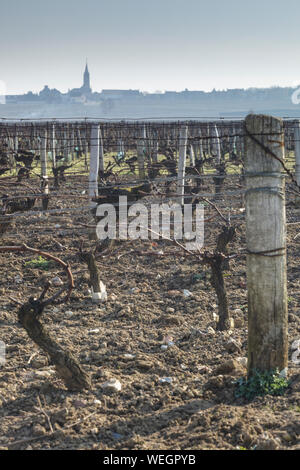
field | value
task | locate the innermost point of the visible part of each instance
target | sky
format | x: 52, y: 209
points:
x: 149, y: 45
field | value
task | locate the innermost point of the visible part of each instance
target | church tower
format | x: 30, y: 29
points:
x: 86, y: 80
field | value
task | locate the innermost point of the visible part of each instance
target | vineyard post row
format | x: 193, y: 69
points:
x: 262, y: 140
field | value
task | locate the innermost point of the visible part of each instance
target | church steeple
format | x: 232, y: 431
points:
x: 86, y: 79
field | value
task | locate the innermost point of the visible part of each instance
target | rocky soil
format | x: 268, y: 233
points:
x: 163, y: 377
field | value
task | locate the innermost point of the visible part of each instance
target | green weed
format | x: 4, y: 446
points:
x: 261, y: 383
x: 39, y: 262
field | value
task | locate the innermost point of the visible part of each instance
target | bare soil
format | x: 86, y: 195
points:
x: 196, y: 407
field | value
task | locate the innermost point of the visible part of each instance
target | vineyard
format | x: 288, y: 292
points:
x: 142, y: 343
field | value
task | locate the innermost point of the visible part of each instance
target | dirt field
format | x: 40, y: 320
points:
x: 179, y: 396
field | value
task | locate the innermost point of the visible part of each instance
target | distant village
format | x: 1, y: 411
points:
x: 85, y: 102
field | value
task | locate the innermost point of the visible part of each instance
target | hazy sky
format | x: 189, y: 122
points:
x: 149, y: 44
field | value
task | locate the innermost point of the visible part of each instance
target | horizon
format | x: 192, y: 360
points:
x: 272, y: 86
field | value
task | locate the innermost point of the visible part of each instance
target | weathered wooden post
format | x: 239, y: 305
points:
x: 140, y: 152
x: 194, y: 145
x: 154, y: 148
x: 86, y: 148
x: 11, y: 148
x: 44, y: 153
x: 120, y: 144
x: 78, y: 138
x: 66, y: 144
x: 73, y: 153
x: 192, y: 155
x: 297, y: 157
x: 53, y: 147
x: 59, y: 141
x: 216, y: 144
x: 233, y: 142
x: 266, y: 244
x: 287, y: 141
x: 44, y: 179
x: 101, y: 153
x: 208, y: 146
x: 182, y: 163
x: 16, y: 140
x: 94, y: 164
x: 200, y: 144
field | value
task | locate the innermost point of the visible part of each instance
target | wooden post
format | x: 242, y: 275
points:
x: 154, y: 149
x: 140, y: 152
x: 233, y: 143
x: 287, y: 142
x: 194, y: 145
x: 201, y: 156
x: 53, y: 147
x: 266, y: 245
x: 149, y: 143
x: 44, y: 154
x: 238, y: 144
x: 66, y: 145
x: 182, y: 163
x: 192, y: 155
x: 16, y: 142
x: 94, y: 164
x: 79, y: 141
x: 73, y: 154
x: 61, y: 143
x: 208, y: 142
x: 120, y: 145
x: 297, y: 156
x: 216, y: 144
x: 101, y: 153
x: 86, y: 150
x: 44, y: 180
